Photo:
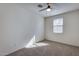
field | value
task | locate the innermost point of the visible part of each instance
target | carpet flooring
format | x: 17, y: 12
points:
x: 48, y: 48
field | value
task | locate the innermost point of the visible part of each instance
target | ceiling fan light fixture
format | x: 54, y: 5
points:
x: 48, y: 9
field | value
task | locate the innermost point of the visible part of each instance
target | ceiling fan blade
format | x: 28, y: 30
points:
x: 43, y: 9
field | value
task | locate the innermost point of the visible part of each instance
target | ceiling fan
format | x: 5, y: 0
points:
x: 48, y: 8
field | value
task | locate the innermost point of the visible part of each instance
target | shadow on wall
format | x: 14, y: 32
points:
x: 31, y: 42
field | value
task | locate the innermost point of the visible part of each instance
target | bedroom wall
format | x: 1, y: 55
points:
x: 18, y: 26
x: 71, y: 28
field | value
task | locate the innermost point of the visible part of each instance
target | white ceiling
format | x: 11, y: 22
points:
x: 57, y: 8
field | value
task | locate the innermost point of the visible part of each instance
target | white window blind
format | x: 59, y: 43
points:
x: 58, y: 25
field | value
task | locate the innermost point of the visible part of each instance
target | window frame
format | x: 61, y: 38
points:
x: 58, y: 26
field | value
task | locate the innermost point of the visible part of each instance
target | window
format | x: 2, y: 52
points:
x: 58, y: 25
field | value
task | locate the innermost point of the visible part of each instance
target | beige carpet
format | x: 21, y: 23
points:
x: 48, y: 48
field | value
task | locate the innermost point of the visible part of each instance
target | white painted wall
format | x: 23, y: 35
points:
x: 40, y: 30
x: 71, y: 29
x: 17, y: 27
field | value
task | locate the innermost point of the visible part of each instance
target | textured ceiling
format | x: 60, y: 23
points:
x: 57, y: 8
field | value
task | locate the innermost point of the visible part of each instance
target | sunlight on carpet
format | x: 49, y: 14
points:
x: 32, y: 43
